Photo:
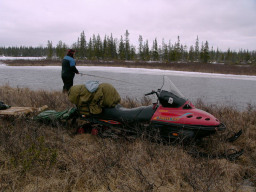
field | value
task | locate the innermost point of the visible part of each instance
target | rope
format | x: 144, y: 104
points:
x: 109, y: 79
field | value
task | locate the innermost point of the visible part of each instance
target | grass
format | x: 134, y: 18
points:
x: 40, y: 157
x: 195, y: 67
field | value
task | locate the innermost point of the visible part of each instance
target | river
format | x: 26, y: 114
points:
x: 217, y: 89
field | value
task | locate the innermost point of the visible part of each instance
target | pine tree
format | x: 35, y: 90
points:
x: 121, y: 51
x: 82, y: 46
x: 191, y: 54
x: 217, y: 56
x: 93, y: 51
x: 201, y: 52
x: 105, y: 49
x: 90, y: 50
x: 127, y: 45
x: 169, y: 51
x: 61, y: 49
x: 132, y: 53
x: 165, y: 53
x: 49, y: 50
x: 184, y: 53
x: 212, y: 55
x: 146, y: 51
x: 173, y: 53
x: 177, y: 49
x: 228, y: 56
x: 197, y: 53
x: 155, y: 56
x: 98, y: 47
x: 247, y: 56
x: 141, y: 52
x: 113, y: 47
x: 206, y: 55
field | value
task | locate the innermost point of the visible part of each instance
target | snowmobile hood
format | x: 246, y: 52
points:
x: 192, y: 116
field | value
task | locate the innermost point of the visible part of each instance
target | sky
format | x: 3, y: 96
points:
x: 223, y: 23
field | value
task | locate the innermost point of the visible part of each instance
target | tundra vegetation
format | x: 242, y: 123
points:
x: 40, y: 157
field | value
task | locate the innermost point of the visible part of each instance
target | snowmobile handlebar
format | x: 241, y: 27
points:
x: 152, y: 92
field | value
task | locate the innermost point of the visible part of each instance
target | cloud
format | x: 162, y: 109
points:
x: 224, y: 24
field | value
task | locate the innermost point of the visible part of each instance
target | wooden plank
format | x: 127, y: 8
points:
x: 21, y: 111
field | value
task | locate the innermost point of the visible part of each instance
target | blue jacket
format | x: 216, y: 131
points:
x: 68, y: 67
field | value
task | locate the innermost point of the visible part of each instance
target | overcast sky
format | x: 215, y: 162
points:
x: 223, y: 23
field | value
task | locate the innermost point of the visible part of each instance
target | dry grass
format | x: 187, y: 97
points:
x: 39, y: 157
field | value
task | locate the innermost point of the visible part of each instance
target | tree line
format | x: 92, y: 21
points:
x: 109, y: 48
x: 24, y: 51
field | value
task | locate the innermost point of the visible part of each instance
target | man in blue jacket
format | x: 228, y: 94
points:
x: 68, y: 70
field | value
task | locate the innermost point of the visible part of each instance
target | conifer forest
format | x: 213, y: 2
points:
x: 109, y: 48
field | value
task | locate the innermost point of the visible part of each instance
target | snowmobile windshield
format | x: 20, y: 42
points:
x: 170, y: 95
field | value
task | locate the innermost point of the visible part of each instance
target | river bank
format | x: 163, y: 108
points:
x: 192, y: 67
x: 41, y: 157
x: 211, y: 88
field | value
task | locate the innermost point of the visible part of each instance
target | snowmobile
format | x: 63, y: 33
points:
x: 172, y: 117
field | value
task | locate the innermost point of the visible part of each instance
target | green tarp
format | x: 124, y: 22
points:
x: 52, y: 115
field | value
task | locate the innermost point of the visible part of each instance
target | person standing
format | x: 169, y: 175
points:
x: 68, y: 70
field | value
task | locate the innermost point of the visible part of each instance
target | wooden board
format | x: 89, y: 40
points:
x: 21, y: 111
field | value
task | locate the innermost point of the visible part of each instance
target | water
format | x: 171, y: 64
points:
x: 231, y: 90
